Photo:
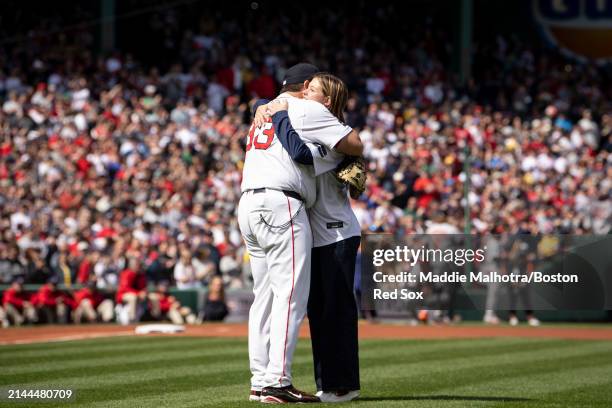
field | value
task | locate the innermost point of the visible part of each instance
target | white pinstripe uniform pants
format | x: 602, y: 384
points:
x: 280, y: 263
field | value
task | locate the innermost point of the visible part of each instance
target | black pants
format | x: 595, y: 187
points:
x: 332, y: 313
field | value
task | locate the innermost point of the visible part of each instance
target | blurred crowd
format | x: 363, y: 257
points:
x: 110, y: 164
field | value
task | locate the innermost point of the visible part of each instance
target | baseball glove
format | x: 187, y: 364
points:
x: 352, y: 172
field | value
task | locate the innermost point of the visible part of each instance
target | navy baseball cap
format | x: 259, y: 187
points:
x: 299, y: 73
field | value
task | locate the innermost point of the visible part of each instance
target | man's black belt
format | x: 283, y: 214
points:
x: 288, y: 193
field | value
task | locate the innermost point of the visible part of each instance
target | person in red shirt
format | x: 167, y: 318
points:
x: 17, y: 305
x: 91, y: 304
x: 132, y: 290
x: 52, y: 304
x: 85, y: 269
x: 262, y: 86
x: 162, y: 305
x: 425, y: 188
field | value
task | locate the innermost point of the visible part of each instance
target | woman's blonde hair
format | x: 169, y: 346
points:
x: 334, y: 88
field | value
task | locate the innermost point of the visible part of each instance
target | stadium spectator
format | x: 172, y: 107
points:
x: 186, y: 272
x: 159, y: 265
x: 10, y: 266
x: 230, y: 268
x: 215, y: 308
x: 85, y: 272
x: 37, y: 270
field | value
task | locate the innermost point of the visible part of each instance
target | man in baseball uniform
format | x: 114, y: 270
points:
x: 17, y: 304
x: 276, y: 191
x: 91, y: 304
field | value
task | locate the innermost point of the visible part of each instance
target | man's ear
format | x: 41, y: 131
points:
x: 306, y: 83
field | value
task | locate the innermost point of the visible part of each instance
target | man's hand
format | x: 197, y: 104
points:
x: 261, y: 115
x: 277, y: 106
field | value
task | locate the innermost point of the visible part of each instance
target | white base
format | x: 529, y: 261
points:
x: 159, y: 328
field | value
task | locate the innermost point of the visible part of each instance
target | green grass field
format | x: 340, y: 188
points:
x: 198, y: 372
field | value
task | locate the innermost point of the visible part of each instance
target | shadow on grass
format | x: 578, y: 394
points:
x: 444, y: 398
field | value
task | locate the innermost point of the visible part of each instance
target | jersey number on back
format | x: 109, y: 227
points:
x: 261, y: 138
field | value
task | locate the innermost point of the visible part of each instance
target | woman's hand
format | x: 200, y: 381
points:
x: 277, y: 106
x: 261, y: 116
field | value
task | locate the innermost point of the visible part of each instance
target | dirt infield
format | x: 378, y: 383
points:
x: 39, y: 334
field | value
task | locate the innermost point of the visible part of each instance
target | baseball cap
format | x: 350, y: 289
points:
x: 299, y: 73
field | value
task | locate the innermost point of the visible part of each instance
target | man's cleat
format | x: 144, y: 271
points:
x: 287, y: 394
x: 272, y: 400
x: 255, y: 396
